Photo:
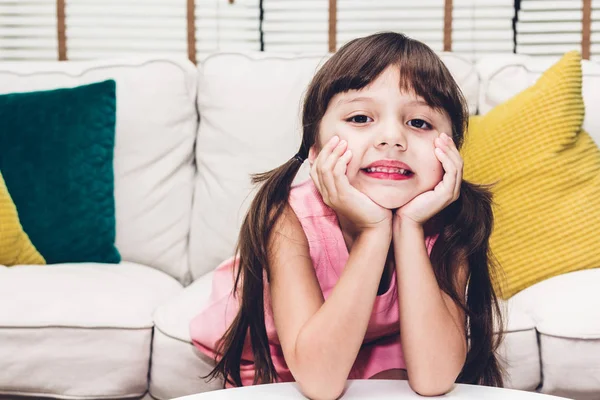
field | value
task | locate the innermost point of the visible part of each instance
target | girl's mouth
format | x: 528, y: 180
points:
x: 396, y: 174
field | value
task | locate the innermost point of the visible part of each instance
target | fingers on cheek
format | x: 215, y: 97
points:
x: 439, y: 153
x: 339, y: 168
x: 442, y: 143
x: 315, y: 179
x: 346, y: 158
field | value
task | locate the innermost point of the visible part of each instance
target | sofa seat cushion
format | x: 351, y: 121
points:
x: 177, y: 367
x: 566, y: 311
x: 519, y: 352
x: 78, y: 330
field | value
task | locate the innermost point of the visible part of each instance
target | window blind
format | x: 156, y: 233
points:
x: 423, y: 20
x: 295, y: 25
x: 478, y: 26
x: 481, y: 27
x: 28, y: 30
x: 117, y: 28
x: 114, y: 28
x: 303, y: 25
x: 553, y: 27
x: 221, y: 26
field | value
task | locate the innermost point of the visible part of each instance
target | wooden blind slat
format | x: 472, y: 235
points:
x: 61, y: 30
x: 332, y: 25
x: 448, y: 25
x: 191, y: 30
x: 586, y: 25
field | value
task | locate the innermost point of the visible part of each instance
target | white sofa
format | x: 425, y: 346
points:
x: 187, y: 139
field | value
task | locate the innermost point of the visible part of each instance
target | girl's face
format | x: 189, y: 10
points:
x: 390, y: 134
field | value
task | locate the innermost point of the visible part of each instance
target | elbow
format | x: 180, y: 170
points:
x: 430, y: 387
x: 316, y: 377
x: 320, y: 384
x: 322, y: 389
x: 429, y: 380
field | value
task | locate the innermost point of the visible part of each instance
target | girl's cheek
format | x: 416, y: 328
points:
x: 353, y: 167
x: 327, y: 130
x: 438, y: 171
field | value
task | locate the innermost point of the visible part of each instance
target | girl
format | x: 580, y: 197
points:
x: 378, y: 266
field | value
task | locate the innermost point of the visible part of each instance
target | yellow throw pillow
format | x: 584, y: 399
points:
x: 547, y: 175
x: 15, y: 246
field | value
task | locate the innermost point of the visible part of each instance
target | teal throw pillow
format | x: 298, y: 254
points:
x: 56, y: 156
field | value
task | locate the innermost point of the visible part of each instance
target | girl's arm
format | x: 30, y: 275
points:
x: 321, y: 338
x: 432, y: 326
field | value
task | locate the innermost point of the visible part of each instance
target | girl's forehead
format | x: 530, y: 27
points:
x: 388, y: 83
x: 378, y: 94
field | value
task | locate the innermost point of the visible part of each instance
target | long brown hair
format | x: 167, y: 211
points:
x: 466, y: 223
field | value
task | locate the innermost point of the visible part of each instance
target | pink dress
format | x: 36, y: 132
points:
x: 381, y: 349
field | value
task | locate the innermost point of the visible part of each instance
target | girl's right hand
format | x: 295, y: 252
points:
x: 328, y: 172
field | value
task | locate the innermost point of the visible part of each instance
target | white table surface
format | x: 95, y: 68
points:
x: 368, y: 389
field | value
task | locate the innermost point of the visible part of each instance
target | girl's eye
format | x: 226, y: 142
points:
x: 419, y: 123
x: 360, y: 119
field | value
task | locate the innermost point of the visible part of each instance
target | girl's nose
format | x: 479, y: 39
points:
x: 392, y: 136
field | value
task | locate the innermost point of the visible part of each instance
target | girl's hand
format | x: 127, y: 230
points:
x: 428, y: 204
x: 328, y: 172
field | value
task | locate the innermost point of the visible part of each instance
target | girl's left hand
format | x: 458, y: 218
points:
x: 426, y: 205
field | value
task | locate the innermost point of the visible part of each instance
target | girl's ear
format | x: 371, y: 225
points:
x: 312, y: 154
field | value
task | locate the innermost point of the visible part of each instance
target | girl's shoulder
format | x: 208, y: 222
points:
x: 306, y: 201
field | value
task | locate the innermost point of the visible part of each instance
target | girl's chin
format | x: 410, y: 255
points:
x: 388, y: 201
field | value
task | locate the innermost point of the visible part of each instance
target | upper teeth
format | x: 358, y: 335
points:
x: 389, y: 170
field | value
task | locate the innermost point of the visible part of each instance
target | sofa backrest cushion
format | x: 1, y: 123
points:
x: 153, y: 157
x: 250, y: 108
